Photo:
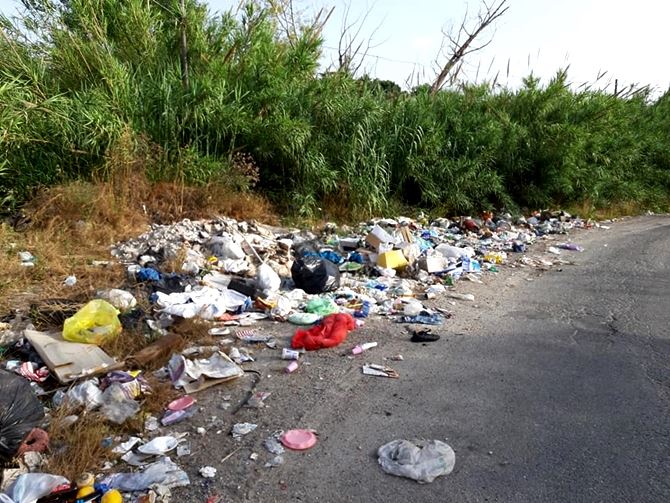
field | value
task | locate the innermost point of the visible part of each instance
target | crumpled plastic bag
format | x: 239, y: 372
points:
x: 85, y: 394
x: 120, y: 299
x: 322, y: 306
x: 421, y: 460
x: 117, y: 407
x: 163, y: 472
x: 267, y: 280
x: 30, y: 487
x: 226, y: 247
x: 95, y: 323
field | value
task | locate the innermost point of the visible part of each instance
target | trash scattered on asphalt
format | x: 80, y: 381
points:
x: 232, y: 280
x: 421, y: 460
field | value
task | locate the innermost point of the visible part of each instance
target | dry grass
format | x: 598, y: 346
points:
x: 72, y: 226
x: 615, y: 210
x: 77, y: 448
x: 162, y: 393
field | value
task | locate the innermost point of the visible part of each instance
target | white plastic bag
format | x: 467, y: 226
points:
x: 267, y: 279
x: 120, y: 299
x: 86, y: 394
x: 421, y: 460
x: 117, y: 407
x: 30, y: 487
x: 225, y: 247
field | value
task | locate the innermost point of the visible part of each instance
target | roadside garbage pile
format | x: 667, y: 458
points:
x: 231, y: 275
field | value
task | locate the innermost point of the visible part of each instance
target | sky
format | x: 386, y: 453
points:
x: 628, y: 40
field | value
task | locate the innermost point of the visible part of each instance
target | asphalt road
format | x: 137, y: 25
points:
x: 558, y: 390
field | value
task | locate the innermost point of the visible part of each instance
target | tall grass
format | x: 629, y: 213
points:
x: 76, y: 77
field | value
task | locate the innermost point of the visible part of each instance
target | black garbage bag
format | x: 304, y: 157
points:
x: 315, y: 275
x: 20, y: 412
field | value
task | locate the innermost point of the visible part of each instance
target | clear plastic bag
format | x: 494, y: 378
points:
x: 421, y: 460
x: 95, y: 323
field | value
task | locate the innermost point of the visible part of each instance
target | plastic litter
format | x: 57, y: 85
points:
x: 422, y: 319
x: 196, y: 375
x: 291, y: 367
x: 273, y: 446
x: 358, y: 349
x: 332, y: 331
x: 30, y: 487
x: 20, y: 412
x: 322, y: 306
x: 571, y: 247
x: 181, y: 403
x: 163, y: 472
x: 116, y: 406
x: 95, y: 323
x: 298, y: 440
x: 420, y: 460
x: 315, y: 275
x: 159, y: 446
x: 267, y: 279
x: 241, y: 429
x: 372, y: 369
x: 461, y: 296
x: 120, y: 299
x: 304, y: 318
x: 207, y: 472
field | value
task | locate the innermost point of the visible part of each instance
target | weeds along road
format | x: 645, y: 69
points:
x: 555, y: 389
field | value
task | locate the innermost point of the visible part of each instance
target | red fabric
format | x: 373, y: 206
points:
x: 331, y: 332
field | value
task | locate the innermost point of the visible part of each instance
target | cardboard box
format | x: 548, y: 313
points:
x: 378, y: 237
x: 394, y: 259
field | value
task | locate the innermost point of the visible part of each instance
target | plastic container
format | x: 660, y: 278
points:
x: 363, y: 347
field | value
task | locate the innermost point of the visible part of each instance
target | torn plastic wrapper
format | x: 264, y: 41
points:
x: 196, y: 375
x: 163, y: 472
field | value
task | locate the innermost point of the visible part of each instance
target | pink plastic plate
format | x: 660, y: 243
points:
x: 298, y: 440
x: 181, y: 403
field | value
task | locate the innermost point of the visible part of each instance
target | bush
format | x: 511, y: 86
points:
x: 79, y: 76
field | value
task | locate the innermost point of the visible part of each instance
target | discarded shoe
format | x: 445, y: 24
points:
x: 423, y: 336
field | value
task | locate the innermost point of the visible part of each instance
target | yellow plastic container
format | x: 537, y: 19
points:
x: 394, y: 259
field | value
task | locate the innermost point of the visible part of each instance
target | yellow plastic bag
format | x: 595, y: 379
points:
x: 95, y: 323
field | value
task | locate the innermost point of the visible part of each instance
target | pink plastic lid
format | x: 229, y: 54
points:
x: 181, y: 403
x: 298, y: 440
